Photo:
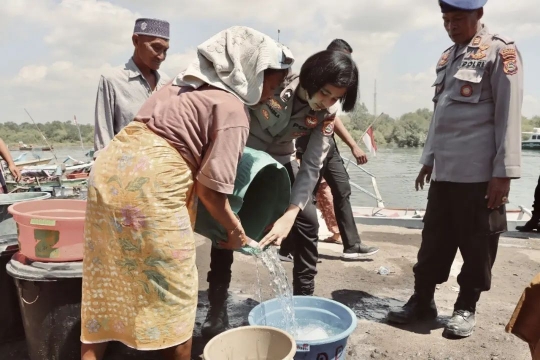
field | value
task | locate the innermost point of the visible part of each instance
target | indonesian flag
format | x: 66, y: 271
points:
x: 369, y: 141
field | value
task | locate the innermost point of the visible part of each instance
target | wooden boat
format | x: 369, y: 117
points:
x: 24, y: 147
x: 412, y: 218
x: 51, y: 169
x: 46, y: 185
x: 21, y: 161
x: 25, y: 163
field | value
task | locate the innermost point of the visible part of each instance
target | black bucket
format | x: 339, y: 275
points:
x: 11, y: 325
x: 50, y: 300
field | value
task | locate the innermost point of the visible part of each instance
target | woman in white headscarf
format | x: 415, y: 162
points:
x: 140, y: 281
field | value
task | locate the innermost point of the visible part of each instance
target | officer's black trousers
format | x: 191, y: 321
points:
x: 337, y: 178
x: 536, y: 203
x: 457, y: 217
x: 335, y: 174
x: 303, y: 238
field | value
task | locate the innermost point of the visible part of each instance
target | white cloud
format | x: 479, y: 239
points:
x: 31, y: 74
x: 176, y: 63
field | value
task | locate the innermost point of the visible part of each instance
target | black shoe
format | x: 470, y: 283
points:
x: 359, y: 251
x: 460, y: 325
x: 532, y: 225
x: 416, y: 309
x: 217, y: 319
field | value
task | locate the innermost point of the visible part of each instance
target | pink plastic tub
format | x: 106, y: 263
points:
x: 51, y: 230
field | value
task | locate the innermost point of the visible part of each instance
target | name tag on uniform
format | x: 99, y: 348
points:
x: 472, y: 64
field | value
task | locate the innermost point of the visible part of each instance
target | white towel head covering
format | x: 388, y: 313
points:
x: 234, y: 60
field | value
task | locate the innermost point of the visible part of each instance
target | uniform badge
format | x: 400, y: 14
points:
x: 476, y: 41
x: 311, y: 121
x: 444, y: 59
x: 274, y: 104
x: 509, y: 58
x: 328, y: 127
x: 266, y: 114
x: 478, y: 55
x: 510, y: 67
x: 287, y: 95
x: 466, y: 90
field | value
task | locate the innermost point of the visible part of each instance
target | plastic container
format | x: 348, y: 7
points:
x: 11, y: 325
x: 251, y: 342
x: 52, y: 230
x: 7, y: 224
x: 49, y: 296
x: 262, y: 192
x: 311, y: 308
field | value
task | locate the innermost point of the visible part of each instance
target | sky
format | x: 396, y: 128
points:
x: 54, y: 51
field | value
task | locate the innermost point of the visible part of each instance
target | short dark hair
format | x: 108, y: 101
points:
x: 331, y: 67
x: 340, y: 45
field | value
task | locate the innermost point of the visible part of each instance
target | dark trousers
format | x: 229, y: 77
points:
x: 536, y: 203
x: 457, y: 217
x: 335, y: 174
x: 337, y: 178
x: 303, y: 238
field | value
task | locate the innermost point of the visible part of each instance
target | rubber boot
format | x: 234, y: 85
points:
x: 421, y: 306
x: 532, y: 225
x: 217, y: 319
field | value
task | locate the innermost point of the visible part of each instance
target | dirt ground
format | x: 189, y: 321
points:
x: 370, y: 295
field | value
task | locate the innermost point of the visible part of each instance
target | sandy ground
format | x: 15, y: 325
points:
x: 370, y: 295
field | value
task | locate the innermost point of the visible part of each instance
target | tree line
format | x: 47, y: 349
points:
x: 408, y: 130
x: 56, y: 132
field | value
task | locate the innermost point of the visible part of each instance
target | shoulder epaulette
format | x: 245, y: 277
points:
x: 504, y: 39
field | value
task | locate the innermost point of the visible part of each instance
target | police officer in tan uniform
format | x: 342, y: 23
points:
x: 472, y: 153
x: 304, y: 105
x: 337, y: 178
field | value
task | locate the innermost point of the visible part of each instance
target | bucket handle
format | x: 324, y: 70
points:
x: 24, y: 300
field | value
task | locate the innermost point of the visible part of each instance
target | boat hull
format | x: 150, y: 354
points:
x: 412, y: 219
x: 530, y: 145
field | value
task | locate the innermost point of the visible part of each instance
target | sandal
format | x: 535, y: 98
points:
x: 331, y: 240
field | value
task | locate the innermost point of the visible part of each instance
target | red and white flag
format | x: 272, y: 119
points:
x: 369, y: 141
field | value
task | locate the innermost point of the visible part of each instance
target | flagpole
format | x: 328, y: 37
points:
x: 374, y: 121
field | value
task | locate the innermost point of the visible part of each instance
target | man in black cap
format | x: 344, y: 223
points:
x: 122, y: 91
x: 472, y: 152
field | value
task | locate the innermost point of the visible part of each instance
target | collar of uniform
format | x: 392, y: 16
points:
x: 293, y: 85
x: 133, y: 71
x: 476, y: 42
x: 479, y: 37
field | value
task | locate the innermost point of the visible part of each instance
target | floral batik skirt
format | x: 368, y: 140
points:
x: 140, y: 281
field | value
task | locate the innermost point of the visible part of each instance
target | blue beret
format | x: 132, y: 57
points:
x: 152, y: 27
x: 461, y: 5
